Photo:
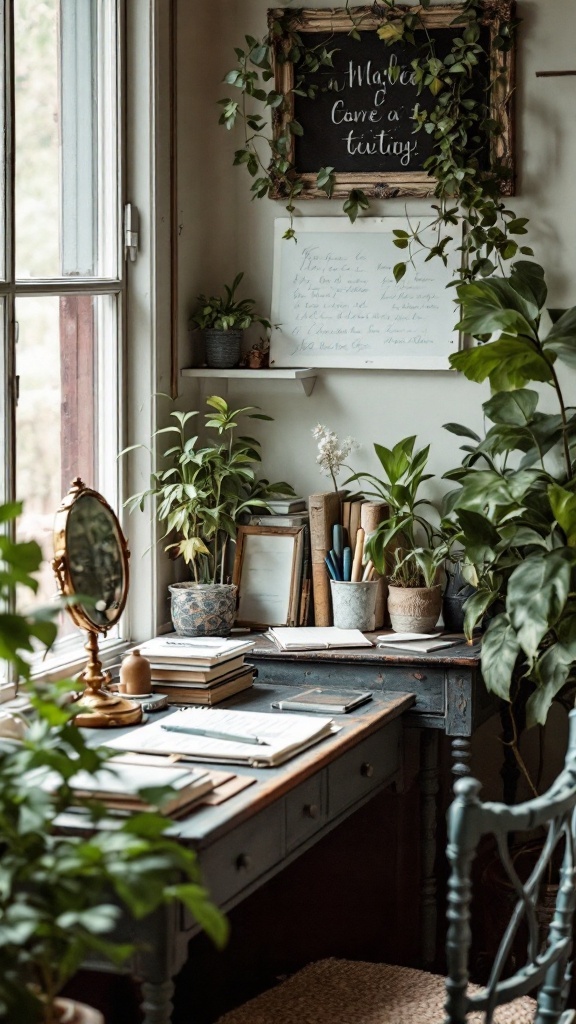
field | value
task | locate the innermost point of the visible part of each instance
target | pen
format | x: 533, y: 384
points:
x: 214, y: 734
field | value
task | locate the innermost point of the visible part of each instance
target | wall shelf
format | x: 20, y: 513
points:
x: 306, y: 377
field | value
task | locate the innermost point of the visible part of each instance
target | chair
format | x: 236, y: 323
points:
x: 347, y: 992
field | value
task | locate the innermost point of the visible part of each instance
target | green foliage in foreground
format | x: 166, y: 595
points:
x: 61, y: 895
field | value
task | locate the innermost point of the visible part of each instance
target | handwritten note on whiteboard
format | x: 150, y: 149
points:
x: 337, y: 304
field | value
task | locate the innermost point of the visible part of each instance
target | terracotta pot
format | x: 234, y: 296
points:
x: 73, y: 1012
x: 203, y: 609
x: 414, y: 609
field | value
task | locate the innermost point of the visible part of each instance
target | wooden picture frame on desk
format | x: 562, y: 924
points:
x: 268, y: 573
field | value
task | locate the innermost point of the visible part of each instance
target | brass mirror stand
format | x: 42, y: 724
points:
x: 106, y: 708
x: 91, y: 564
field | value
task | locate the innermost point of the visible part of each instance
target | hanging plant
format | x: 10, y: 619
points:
x: 462, y: 107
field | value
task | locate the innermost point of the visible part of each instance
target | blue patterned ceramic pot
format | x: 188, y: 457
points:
x: 203, y: 609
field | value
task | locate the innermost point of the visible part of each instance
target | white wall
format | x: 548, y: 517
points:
x: 223, y: 231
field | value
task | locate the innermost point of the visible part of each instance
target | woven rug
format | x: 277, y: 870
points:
x: 348, y: 992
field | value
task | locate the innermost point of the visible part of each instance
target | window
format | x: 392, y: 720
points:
x: 61, y: 267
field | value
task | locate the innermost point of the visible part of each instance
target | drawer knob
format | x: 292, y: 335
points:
x: 311, y: 810
x: 243, y: 862
x: 366, y: 770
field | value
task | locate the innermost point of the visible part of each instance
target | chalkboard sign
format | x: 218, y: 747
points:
x: 361, y: 119
x: 336, y: 304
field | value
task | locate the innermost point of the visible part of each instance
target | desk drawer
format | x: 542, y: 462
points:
x: 364, y: 768
x: 305, y: 810
x: 236, y: 860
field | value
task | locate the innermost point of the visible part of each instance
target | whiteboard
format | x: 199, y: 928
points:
x: 335, y: 302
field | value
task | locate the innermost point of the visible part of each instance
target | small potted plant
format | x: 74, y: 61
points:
x: 223, y: 321
x: 405, y: 546
x: 200, y: 497
x: 62, y: 892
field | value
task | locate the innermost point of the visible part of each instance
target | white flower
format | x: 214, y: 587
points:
x: 332, y: 453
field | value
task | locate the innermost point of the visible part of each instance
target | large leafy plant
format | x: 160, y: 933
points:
x: 61, y: 894
x: 203, y: 490
x: 406, y: 545
x: 226, y: 312
x: 514, y: 510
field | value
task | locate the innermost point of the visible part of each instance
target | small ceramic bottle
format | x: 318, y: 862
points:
x: 135, y: 674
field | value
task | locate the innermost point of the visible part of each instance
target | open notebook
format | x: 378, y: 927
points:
x: 197, y: 734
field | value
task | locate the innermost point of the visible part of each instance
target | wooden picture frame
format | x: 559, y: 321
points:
x: 268, y: 573
x: 338, y: 144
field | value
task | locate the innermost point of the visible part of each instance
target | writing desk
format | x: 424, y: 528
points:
x: 451, y: 698
x: 245, y: 841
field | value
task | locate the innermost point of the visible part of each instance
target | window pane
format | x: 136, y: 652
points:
x: 66, y: 358
x: 66, y: 169
x: 2, y: 143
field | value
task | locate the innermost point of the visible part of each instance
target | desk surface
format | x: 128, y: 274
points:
x: 206, y: 824
x: 466, y: 655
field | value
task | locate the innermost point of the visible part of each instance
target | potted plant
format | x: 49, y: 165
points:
x: 405, y: 546
x: 514, y: 507
x: 61, y: 893
x: 200, y: 496
x: 223, y: 321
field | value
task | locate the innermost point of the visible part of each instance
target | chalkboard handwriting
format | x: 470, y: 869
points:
x: 338, y: 305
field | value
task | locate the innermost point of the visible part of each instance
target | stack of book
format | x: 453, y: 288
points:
x: 198, y: 670
x: 129, y: 785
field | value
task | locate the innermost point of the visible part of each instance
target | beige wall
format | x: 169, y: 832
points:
x: 222, y: 231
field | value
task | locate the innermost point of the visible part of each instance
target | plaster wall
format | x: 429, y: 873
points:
x: 222, y: 231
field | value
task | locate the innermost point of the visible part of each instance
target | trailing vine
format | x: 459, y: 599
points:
x: 460, y: 124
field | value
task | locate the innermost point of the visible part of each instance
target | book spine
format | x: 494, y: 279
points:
x: 324, y: 514
x: 305, y: 582
x: 372, y: 514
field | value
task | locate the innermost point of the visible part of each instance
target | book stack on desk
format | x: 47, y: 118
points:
x: 198, y: 670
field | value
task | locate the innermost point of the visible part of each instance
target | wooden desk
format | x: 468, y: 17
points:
x: 450, y: 697
x: 251, y: 837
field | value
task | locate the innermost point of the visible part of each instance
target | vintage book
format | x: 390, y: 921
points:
x: 371, y: 514
x: 256, y: 738
x: 285, y: 506
x: 305, y: 582
x: 188, y: 693
x: 355, y: 517
x: 199, y: 676
x: 317, y: 638
x: 298, y: 519
x: 120, y: 786
x: 416, y: 642
x: 334, y: 702
x: 192, y: 651
x: 324, y: 514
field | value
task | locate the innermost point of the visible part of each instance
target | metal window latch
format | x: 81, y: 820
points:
x: 131, y: 232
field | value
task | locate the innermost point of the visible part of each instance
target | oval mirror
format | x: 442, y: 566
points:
x: 91, y: 565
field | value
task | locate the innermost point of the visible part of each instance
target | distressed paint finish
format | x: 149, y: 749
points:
x: 248, y: 839
x: 547, y: 967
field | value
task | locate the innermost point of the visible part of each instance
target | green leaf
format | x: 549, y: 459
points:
x: 512, y: 407
x: 508, y: 363
x: 562, y: 338
x: 553, y: 670
x: 500, y: 649
x: 399, y: 271
x: 460, y: 431
x: 563, y: 504
x: 537, y: 593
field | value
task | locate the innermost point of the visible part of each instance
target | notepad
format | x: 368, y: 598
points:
x: 284, y: 736
x: 316, y: 638
x: 336, y: 702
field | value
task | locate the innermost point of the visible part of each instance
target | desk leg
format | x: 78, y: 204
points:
x: 157, y: 1002
x: 461, y: 757
x: 429, y: 786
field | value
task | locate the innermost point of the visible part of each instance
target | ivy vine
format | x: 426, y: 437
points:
x: 460, y: 124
